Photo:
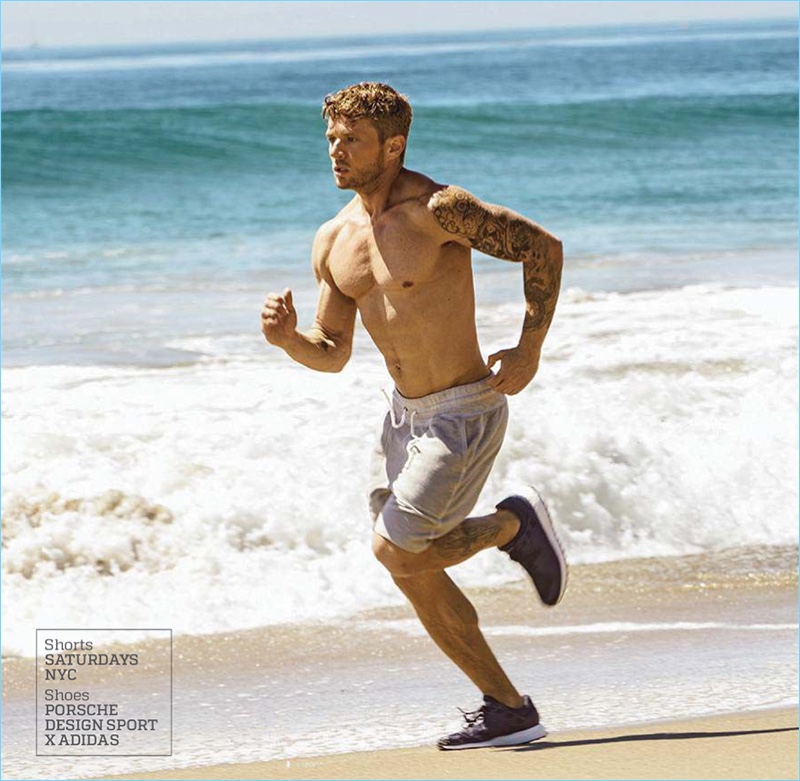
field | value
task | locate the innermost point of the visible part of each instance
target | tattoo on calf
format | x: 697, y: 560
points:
x: 470, y: 537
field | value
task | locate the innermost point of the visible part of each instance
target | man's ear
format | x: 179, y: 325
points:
x: 395, y: 146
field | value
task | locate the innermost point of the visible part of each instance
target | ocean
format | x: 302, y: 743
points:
x: 153, y: 444
x: 153, y: 196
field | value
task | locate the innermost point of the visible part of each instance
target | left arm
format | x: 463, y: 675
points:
x: 504, y: 234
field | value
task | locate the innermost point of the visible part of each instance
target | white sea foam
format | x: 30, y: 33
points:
x: 660, y: 423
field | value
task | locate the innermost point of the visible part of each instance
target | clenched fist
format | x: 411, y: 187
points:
x: 278, y: 318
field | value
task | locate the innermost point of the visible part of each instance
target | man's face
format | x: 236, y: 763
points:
x: 356, y: 153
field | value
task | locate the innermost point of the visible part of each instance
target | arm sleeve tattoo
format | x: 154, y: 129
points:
x: 504, y: 234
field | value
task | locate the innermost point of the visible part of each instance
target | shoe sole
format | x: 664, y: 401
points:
x: 515, y: 739
x: 546, y: 522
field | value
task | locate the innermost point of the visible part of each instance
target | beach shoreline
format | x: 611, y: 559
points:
x: 613, y: 653
x: 166, y: 471
x: 753, y: 745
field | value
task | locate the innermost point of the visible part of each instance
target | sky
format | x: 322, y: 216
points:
x: 61, y: 23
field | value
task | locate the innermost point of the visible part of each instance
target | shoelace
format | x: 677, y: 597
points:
x: 474, y: 716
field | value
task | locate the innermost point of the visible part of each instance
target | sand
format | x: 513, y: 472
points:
x: 711, y: 693
x: 755, y: 745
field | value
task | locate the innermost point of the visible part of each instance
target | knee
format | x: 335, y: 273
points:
x: 400, y: 563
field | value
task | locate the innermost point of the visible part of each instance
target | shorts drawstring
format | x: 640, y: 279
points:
x: 414, y: 437
x: 397, y: 423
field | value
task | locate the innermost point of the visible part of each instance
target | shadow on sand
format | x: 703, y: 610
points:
x: 540, y: 745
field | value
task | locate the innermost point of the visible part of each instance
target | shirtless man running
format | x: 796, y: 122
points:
x: 399, y: 254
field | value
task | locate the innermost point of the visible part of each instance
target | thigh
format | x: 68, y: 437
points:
x: 433, y: 467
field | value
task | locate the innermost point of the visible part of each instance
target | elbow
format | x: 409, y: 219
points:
x: 334, y: 368
x: 555, y: 254
x: 333, y: 350
x: 556, y: 251
x: 337, y: 360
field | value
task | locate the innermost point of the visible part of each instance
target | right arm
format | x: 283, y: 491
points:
x: 327, y: 345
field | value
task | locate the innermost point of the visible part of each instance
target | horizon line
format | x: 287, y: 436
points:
x: 36, y: 47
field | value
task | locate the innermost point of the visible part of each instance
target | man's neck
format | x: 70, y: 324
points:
x: 377, y: 197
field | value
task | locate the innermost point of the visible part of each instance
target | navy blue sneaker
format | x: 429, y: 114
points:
x: 536, y: 547
x: 495, y: 724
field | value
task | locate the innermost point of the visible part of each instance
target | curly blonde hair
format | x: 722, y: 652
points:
x: 385, y: 106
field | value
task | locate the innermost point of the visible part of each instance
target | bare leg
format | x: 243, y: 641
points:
x: 473, y: 535
x: 460, y: 544
x: 447, y: 615
x: 451, y: 621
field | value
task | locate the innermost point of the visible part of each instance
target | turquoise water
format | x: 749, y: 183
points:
x: 662, y: 155
x: 154, y: 444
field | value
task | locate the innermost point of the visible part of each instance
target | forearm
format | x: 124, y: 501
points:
x: 542, y: 284
x: 316, y: 350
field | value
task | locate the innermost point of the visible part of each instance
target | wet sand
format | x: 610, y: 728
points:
x: 652, y: 668
x: 755, y: 745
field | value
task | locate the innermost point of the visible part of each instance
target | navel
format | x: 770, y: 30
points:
x: 408, y: 284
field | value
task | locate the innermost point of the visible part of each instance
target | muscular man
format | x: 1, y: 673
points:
x: 399, y: 254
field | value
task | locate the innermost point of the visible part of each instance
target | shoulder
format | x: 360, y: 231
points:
x: 455, y: 209
x: 325, y: 238
x: 328, y: 231
x: 434, y: 206
x: 450, y: 196
x: 326, y: 234
x: 412, y: 189
x: 323, y: 242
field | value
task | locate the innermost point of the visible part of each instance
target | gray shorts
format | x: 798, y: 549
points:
x: 432, y: 460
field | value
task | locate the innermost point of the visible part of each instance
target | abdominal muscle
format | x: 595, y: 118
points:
x: 426, y: 348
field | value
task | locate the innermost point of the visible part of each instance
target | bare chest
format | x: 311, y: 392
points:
x: 365, y: 260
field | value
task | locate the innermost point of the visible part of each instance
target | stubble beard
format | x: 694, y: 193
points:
x: 366, y: 180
